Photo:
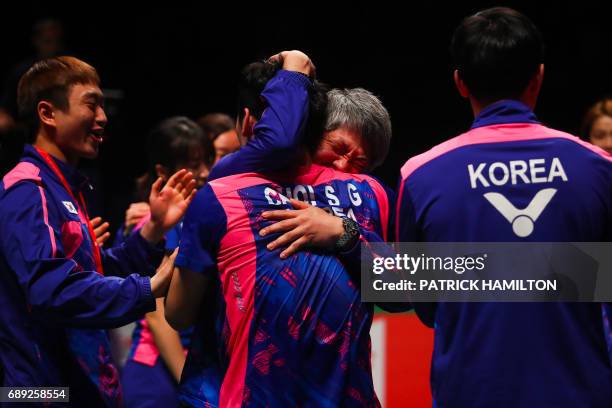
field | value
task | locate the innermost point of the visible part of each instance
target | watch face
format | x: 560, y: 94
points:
x: 350, y: 231
x: 351, y: 227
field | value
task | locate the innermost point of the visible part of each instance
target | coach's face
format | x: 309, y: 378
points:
x: 343, y: 150
x: 80, y: 128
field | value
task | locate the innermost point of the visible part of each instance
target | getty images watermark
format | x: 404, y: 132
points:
x: 477, y: 272
x: 458, y: 265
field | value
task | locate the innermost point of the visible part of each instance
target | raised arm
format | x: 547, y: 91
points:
x: 279, y: 130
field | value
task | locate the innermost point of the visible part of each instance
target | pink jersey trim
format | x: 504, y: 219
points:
x: 46, y: 220
x: 398, y: 204
x: 23, y: 171
x: 506, y: 132
x: 72, y: 237
x: 237, y: 272
x: 146, y: 351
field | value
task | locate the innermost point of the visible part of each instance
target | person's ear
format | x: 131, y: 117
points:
x: 530, y: 96
x: 535, y: 84
x: 162, y: 172
x: 46, y: 113
x: 540, y: 76
x: 252, y: 121
x: 461, y: 86
x: 248, y: 124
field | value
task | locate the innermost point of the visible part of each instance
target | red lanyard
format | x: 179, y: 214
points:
x: 81, y: 208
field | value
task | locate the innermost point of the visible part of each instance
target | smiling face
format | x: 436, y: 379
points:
x: 343, y: 150
x: 80, y: 127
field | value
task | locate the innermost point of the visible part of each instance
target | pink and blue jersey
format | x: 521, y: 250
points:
x: 53, y: 302
x: 512, y: 179
x: 278, y: 332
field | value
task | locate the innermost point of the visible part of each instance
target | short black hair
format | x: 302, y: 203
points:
x: 497, y: 51
x: 214, y: 124
x: 253, y: 79
x: 172, y: 140
x: 50, y: 80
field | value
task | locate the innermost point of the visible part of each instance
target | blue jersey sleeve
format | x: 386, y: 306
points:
x: 173, y: 237
x: 390, y: 221
x: 53, y: 285
x: 278, y: 131
x: 133, y: 255
x: 203, y: 228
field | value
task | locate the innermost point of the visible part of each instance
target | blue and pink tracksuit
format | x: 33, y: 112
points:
x: 511, y: 179
x: 287, y: 332
x: 54, y: 304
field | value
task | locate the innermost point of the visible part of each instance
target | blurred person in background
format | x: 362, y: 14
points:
x: 47, y: 41
x: 157, y: 355
x: 597, y: 124
x: 221, y: 130
x: 174, y: 142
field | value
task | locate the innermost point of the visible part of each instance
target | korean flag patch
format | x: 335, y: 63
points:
x: 70, y: 207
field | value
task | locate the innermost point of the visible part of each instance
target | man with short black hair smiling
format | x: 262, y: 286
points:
x: 54, y: 297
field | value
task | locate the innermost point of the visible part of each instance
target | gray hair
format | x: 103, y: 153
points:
x: 360, y: 110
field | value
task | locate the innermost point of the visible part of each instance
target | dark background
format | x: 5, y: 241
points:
x: 185, y: 60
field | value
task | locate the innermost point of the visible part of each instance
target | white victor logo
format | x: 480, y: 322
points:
x: 515, y: 172
x: 522, y: 220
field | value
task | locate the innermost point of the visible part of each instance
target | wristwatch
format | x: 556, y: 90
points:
x: 350, y: 236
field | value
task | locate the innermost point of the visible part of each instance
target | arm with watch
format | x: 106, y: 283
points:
x: 309, y: 226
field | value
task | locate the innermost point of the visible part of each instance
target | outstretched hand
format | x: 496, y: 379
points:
x: 168, y: 204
